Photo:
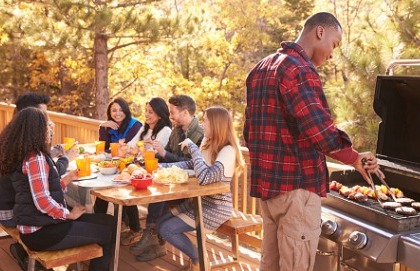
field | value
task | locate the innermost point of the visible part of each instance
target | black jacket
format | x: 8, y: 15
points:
x: 25, y: 211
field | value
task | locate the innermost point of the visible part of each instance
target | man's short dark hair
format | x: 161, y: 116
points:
x: 183, y: 102
x: 324, y: 19
x: 31, y: 100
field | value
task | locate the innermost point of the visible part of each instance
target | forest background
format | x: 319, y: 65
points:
x: 85, y: 53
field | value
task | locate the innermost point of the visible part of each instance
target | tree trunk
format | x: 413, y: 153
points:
x: 101, y: 75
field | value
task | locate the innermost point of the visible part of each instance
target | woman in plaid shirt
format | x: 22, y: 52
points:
x: 43, y: 220
x: 289, y: 130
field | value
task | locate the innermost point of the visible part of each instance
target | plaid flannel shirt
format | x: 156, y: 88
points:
x: 36, y: 167
x: 288, y: 126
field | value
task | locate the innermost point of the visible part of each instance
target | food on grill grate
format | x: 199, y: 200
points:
x: 361, y: 197
x: 416, y: 205
x: 404, y: 210
x: 351, y: 192
x: 391, y: 205
x: 405, y: 201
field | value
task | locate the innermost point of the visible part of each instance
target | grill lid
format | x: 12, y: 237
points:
x: 397, y: 100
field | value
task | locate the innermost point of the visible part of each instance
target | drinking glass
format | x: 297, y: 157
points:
x: 114, y: 148
x: 151, y: 165
x: 83, y: 165
x: 100, y: 147
x: 68, y: 142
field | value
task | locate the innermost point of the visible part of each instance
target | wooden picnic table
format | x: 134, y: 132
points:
x: 127, y: 196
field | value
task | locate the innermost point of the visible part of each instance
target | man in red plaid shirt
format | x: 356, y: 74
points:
x: 289, y: 130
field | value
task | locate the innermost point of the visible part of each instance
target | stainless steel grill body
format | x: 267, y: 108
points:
x: 363, y: 236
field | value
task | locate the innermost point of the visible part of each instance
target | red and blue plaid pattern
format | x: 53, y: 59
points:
x: 288, y: 126
x: 37, y: 169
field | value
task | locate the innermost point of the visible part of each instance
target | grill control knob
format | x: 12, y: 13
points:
x: 358, y: 240
x: 329, y: 227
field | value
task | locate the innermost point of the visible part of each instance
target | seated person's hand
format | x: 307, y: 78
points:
x: 185, y: 143
x: 71, y: 176
x: 76, y: 212
x: 158, y: 147
x: 110, y: 124
x: 72, y: 153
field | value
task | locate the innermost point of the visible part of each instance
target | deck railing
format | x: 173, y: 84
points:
x: 85, y: 130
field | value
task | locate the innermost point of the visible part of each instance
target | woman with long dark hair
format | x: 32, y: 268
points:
x: 42, y: 218
x: 157, y: 124
x: 157, y: 128
x: 120, y: 124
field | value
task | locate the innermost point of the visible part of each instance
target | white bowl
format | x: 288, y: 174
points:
x: 108, y: 170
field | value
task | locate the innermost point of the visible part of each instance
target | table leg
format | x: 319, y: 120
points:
x: 201, y: 236
x: 118, y: 213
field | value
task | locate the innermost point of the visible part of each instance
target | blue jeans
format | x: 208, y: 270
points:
x: 154, y: 212
x: 172, y: 229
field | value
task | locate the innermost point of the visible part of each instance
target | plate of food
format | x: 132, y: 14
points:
x: 172, y: 175
x: 91, y: 176
x: 95, y: 183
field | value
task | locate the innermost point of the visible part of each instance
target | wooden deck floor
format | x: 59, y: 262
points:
x: 174, y: 260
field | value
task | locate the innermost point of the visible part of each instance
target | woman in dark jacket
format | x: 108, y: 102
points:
x: 40, y: 210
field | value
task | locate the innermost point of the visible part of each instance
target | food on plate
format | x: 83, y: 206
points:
x: 416, y: 205
x: 132, y: 167
x: 99, y: 158
x: 172, y: 175
x: 123, y: 176
x: 405, y: 201
x: 138, y: 171
x: 108, y: 164
x: 391, y: 205
x: 405, y: 210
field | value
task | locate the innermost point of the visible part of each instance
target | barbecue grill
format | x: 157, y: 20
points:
x: 364, y: 236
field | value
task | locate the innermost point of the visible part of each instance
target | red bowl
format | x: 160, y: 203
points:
x: 141, y: 184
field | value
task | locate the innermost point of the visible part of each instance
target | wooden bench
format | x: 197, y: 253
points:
x: 240, y: 224
x: 51, y: 259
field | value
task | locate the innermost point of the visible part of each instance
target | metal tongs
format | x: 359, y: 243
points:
x: 364, y: 161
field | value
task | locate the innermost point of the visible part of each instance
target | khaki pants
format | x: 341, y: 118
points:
x: 291, y: 224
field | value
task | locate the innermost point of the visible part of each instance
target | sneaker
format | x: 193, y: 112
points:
x: 131, y: 238
x: 148, y: 238
x: 19, y: 253
x: 152, y: 253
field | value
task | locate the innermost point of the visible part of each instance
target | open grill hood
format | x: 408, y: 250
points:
x: 397, y: 103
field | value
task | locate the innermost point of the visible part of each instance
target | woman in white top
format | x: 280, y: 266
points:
x: 157, y: 128
x: 158, y: 125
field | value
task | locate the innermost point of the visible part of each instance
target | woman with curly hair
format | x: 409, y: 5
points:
x: 42, y: 218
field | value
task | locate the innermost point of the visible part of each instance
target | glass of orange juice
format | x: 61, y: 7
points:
x: 114, y: 148
x: 68, y: 142
x: 83, y: 165
x: 151, y: 164
x: 149, y: 155
x: 100, y: 147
